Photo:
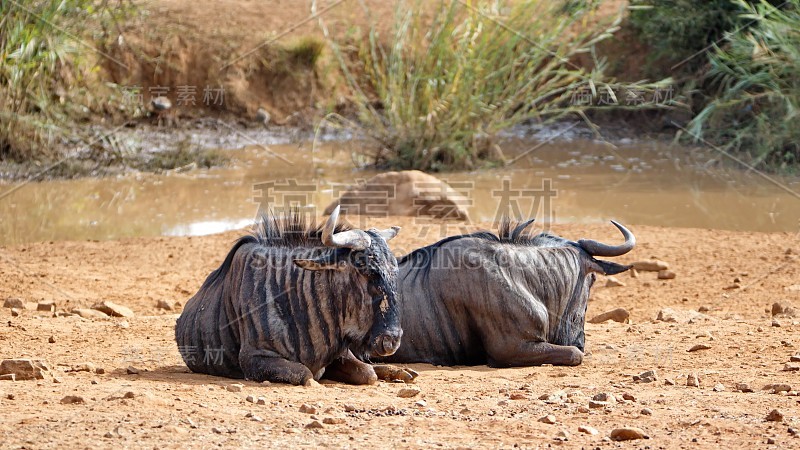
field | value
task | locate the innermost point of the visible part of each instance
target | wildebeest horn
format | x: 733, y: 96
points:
x: 388, y: 234
x: 520, y: 228
x: 595, y: 248
x: 355, y: 239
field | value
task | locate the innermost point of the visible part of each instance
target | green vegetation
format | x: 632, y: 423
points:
x: 436, y: 93
x: 679, y: 29
x: 49, y: 72
x: 306, y: 51
x: 756, y: 79
x: 183, y: 156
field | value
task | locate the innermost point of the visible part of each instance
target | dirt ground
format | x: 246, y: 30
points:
x: 165, y: 406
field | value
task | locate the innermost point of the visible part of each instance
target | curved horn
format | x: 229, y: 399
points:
x: 354, y: 239
x: 388, y: 234
x: 595, y: 248
x: 520, y: 228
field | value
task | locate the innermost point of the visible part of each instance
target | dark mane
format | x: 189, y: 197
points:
x: 421, y: 256
x: 543, y: 239
x: 290, y: 230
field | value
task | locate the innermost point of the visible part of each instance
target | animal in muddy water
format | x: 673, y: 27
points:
x: 504, y: 300
x: 291, y: 303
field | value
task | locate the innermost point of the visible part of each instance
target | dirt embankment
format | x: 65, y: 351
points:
x: 236, y: 56
x: 165, y: 406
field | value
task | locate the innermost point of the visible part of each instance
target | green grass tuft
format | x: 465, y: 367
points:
x: 757, y: 78
x: 435, y: 94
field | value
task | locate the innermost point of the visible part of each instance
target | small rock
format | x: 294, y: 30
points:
x: 502, y: 403
x: 594, y: 404
x: 651, y: 265
x: 174, y: 429
x: 12, y: 302
x: 588, y: 430
x: 82, y: 367
x: 628, y: 396
x: 646, y: 412
x: 770, y: 441
x: 774, y: 416
x: 333, y: 420
x: 518, y: 396
x: 669, y: 382
x: 100, y: 371
x: 605, y: 397
x: 349, y: 408
x: 703, y: 309
x: 90, y: 313
x: 627, y: 434
x: 8, y: 377
x: 697, y: 347
x: 795, y: 358
x: 217, y: 430
x: 256, y: 418
x: 163, y: 304
x: 562, y: 436
x: 743, y: 387
x: 314, y: 425
x: 548, y: 419
x: 250, y: 398
x: 583, y: 409
x: 719, y: 387
x: 261, y: 401
x: 72, y: 400
x: 667, y: 315
x: 776, y: 324
x: 617, y: 315
x: 234, y: 387
x: 46, y: 306
x: 613, y: 282
x: 780, y: 309
x: 51, y: 339
x: 420, y: 403
x: 777, y: 387
x: 133, y: 370
x: 113, y: 309
x: 305, y: 408
x: 648, y: 376
x: 408, y: 392
x: 693, y: 380
x: 791, y: 367
x: 14, y: 312
x: 24, y: 369
x: 129, y: 394
x: 666, y: 275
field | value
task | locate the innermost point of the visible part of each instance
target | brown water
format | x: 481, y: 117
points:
x: 636, y: 183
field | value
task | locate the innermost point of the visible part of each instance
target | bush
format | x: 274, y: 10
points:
x: 437, y: 93
x: 48, y: 75
x: 756, y: 74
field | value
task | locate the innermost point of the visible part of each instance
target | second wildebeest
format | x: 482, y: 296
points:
x: 504, y: 300
x: 290, y: 303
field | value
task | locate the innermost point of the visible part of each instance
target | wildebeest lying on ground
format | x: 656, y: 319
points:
x: 290, y: 303
x: 503, y: 300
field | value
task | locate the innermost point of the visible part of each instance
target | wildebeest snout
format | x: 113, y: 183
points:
x: 387, y: 343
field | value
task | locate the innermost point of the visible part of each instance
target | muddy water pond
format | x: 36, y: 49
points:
x: 578, y: 180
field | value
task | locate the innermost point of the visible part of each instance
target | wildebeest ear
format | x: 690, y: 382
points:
x: 321, y: 263
x: 611, y: 268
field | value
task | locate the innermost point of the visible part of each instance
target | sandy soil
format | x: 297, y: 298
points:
x: 165, y: 406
